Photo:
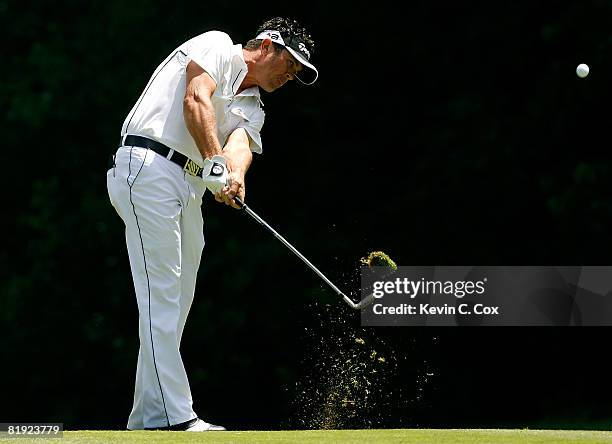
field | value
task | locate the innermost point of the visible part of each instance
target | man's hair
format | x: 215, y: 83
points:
x: 287, y: 27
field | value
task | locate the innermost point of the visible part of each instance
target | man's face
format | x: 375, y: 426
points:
x: 279, y: 68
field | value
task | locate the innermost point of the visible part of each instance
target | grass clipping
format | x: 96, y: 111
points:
x: 345, y: 387
x: 378, y: 259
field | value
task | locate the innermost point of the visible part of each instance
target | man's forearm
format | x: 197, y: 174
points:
x: 237, y: 152
x: 200, y: 120
x: 239, y: 158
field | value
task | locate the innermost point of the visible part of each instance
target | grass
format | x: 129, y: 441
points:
x: 422, y: 436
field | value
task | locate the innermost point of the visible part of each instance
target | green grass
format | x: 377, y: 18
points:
x: 421, y: 436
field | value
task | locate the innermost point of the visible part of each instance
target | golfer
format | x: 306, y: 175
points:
x: 195, y: 126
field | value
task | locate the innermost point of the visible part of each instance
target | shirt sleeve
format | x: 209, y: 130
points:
x: 211, y: 52
x: 253, y: 127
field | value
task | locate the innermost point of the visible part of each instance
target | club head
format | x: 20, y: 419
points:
x: 361, y: 304
x: 369, y: 298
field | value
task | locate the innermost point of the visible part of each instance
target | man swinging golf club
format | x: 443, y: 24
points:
x: 194, y: 127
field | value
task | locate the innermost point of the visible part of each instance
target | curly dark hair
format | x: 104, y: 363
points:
x: 288, y: 28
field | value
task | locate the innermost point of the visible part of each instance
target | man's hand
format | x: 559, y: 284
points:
x: 235, y: 187
x: 215, y: 174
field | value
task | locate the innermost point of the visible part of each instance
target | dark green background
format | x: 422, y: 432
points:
x: 452, y: 133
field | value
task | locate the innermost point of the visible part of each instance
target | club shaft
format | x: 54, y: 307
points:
x: 295, y: 251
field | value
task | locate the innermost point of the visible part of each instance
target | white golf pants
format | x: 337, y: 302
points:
x: 161, y: 207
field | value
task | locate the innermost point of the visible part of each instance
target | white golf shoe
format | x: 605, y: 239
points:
x: 203, y: 426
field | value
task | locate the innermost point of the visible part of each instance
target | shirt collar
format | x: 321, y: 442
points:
x: 238, y: 57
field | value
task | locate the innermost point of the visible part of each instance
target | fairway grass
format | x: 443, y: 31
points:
x: 424, y: 436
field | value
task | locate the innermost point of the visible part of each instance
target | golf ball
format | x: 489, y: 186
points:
x: 582, y: 70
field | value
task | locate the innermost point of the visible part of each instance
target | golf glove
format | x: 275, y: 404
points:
x: 214, y: 173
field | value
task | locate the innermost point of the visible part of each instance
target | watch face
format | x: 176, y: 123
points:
x: 217, y: 169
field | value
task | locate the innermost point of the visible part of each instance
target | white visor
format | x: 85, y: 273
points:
x: 297, y: 50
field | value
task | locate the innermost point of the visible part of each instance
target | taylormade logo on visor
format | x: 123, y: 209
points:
x: 304, y: 50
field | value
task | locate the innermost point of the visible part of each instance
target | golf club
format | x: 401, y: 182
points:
x: 356, y: 306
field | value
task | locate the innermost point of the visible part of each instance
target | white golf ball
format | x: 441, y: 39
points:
x: 582, y: 70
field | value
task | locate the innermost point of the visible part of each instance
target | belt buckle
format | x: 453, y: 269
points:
x: 192, y: 168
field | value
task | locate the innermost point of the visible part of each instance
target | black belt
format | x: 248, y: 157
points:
x: 188, y: 165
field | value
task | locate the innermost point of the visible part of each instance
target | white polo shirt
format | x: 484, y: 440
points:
x: 158, y: 113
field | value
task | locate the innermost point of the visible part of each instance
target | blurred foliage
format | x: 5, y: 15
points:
x: 451, y: 133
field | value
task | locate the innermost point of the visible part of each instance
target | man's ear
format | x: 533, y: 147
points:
x: 266, y: 45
